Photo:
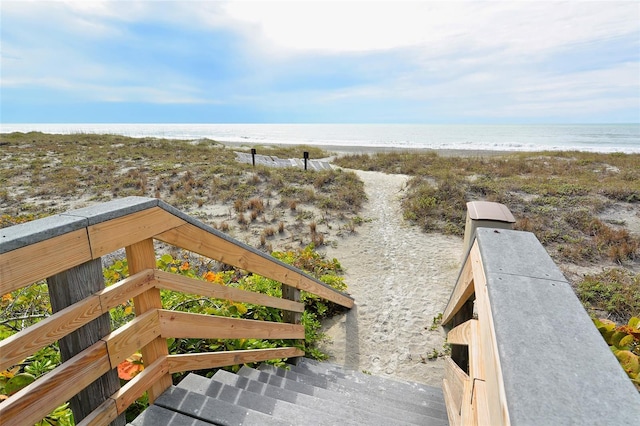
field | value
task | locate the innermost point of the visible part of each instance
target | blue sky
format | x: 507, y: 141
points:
x: 319, y: 62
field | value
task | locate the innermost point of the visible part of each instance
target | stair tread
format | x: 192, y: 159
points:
x: 312, y: 367
x: 155, y: 415
x: 390, y: 389
x: 347, y: 407
x: 338, y: 393
x: 310, y: 393
x: 212, y: 410
x: 265, y: 404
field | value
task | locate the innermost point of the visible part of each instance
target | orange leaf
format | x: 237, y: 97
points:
x: 130, y: 367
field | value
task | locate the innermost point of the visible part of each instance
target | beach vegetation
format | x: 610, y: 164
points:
x: 624, y: 342
x: 562, y: 197
x: 25, y: 307
x: 45, y: 174
x: 614, y: 293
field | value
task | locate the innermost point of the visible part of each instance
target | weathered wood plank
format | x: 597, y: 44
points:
x: 186, y: 325
x: 132, y: 336
x: 33, y: 402
x: 67, y: 288
x: 462, y: 291
x: 26, y: 265
x: 535, y: 311
x: 141, y: 256
x: 480, y: 402
x: 468, y: 410
x: 126, y: 289
x: 200, y: 361
x: 20, y: 345
x: 103, y: 415
x: 114, y: 234
x: 184, y: 284
x: 461, y: 334
x: 292, y: 294
x: 476, y: 353
x: 144, y: 380
x: 193, y: 238
x: 497, y: 402
x: 449, y: 398
x: 455, y: 378
x: 28, y: 341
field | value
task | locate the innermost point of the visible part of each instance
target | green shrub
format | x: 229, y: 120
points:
x: 614, y: 291
x: 29, y: 305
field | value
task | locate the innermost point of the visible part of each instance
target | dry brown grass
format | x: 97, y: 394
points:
x: 561, y: 197
x: 42, y: 174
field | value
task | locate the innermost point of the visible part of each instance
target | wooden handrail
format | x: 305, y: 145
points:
x: 524, y: 350
x: 36, y: 250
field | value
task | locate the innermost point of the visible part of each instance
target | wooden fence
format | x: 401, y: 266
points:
x: 524, y: 350
x: 67, y: 249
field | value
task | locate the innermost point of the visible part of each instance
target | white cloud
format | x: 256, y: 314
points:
x: 509, y: 58
x: 517, y: 26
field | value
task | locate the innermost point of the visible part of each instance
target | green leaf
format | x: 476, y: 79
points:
x: 629, y: 361
x: 18, y: 382
x: 625, y: 342
x: 617, y: 337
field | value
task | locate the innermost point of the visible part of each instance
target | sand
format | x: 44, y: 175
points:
x: 401, y: 278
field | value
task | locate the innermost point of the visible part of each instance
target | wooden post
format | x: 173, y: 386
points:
x: 253, y: 156
x: 305, y: 155
x: 69, y: 287
x: 291, y: 293
x: 141, y: 256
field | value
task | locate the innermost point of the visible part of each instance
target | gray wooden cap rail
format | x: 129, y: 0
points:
x: 556, y: 367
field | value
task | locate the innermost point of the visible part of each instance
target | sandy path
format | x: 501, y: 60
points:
x: 401, y: 278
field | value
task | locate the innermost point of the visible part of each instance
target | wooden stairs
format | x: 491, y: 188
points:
x: 309, y: 393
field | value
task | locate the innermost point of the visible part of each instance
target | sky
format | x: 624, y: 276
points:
x: 467, y: 62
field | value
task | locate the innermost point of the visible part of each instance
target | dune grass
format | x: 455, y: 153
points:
x: 560, y: 197
x: 564, y: 198
x: 44, y: 174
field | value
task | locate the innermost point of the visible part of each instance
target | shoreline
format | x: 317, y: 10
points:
x: 400, y: 276
x: 342, y: 150
x: 461, y: 139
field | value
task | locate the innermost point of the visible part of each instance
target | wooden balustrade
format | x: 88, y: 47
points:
x: 43, y: 248
x: 524, y: 351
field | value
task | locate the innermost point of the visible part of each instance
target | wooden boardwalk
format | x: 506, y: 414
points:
x: 273, y: 161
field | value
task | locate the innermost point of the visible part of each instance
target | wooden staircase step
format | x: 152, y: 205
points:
x: 212, y: 410
x: 391, y: 390
x: 310, y: 393
x: 362, y: 397
x: 279, y: 409
x: 349, y: 407
x: 401, y: 387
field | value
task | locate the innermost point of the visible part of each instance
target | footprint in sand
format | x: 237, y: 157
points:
x: 401, y: 278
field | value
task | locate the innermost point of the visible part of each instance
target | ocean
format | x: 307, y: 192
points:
x: 557, y: 137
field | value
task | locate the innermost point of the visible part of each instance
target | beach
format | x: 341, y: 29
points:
x: 401, y: 279
x: 400, y: 276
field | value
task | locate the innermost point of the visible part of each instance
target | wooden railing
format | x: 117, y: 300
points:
x: 66, y: 249
x: 524, y: 351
